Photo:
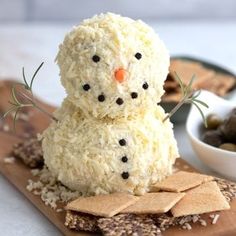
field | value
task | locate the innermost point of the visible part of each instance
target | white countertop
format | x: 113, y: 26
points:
x: 29, y: 45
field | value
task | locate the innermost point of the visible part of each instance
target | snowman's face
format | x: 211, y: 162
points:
x: 113, y: 66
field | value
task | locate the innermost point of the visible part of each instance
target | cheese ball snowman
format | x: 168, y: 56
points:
x: 110, y: 135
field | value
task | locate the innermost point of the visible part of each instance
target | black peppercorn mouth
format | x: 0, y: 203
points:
x: 119, y: 101
x: 101, y: 98
x: 134, y: 95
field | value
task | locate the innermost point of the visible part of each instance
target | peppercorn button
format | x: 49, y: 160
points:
x: 134, y: 95
x: 101, y: 98
x: 122, y: 142
x: 145, y: 85
x: 125, y: 175
x: 124, y: 159
x: 119, y: 101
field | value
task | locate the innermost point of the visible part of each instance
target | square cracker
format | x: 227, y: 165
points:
x: 181, y: 181
x: 152, y: 203
x: 220, y: 84
x: 80, y: 221
x: 202, y: 199
x: 186, y: 69
x: 102, y: 205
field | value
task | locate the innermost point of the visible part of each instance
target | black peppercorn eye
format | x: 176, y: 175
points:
x: 138, y: 55
x: 96, y: 58
x: 86, y: 87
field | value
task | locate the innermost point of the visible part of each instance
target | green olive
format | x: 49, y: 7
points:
x: 213, y: 121
x: 228, y: 146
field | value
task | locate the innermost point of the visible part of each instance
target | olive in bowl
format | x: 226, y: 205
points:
x: 214, y: 156
x: 221, y: 132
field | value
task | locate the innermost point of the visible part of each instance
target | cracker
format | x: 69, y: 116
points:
x: 171, y: 86
x: 152, y: 203
x: 79, y: 221
x: 102, y: 205
x: 224, y: 82
x: 186, y: 70
x: 202, y: 199
x: 30, y: 152
x: 128, y: 224
x: 181, y: 181
x: 206, y: 78
x: 219, y: 84
x: 174, y: 96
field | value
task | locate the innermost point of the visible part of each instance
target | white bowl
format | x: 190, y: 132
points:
x: 221, y: 161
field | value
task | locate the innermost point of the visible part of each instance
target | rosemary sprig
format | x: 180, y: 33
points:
x: 188, y: 96
x: 29, y: 86
x: 26, y: 100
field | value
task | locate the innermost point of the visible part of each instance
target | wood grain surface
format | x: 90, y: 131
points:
x: 18, y: 175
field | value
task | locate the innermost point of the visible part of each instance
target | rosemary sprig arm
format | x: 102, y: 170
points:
x: 188, y: 96
x: 25, y: 84
x: 34, y: 104
x: 33, y: 77
x: 180, y: 104
x: 27, y: 97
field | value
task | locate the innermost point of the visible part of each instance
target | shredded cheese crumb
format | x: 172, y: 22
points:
x: 59, y: 210
x: 187, y: 226
x: 9, y: 160
x: 203, y: 222
x: 6, y: 128
x: 49, y: 189
x: 215, y: 219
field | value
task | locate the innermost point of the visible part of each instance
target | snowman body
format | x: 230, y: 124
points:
x: 110, y: 135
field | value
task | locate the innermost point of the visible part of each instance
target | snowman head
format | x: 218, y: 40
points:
x: 113, y: 66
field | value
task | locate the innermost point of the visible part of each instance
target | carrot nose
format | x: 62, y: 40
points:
x: 120, y: 75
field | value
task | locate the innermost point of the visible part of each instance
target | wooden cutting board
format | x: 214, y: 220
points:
x: 18, y: 174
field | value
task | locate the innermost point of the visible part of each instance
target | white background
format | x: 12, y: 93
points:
x: 54, y: 10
